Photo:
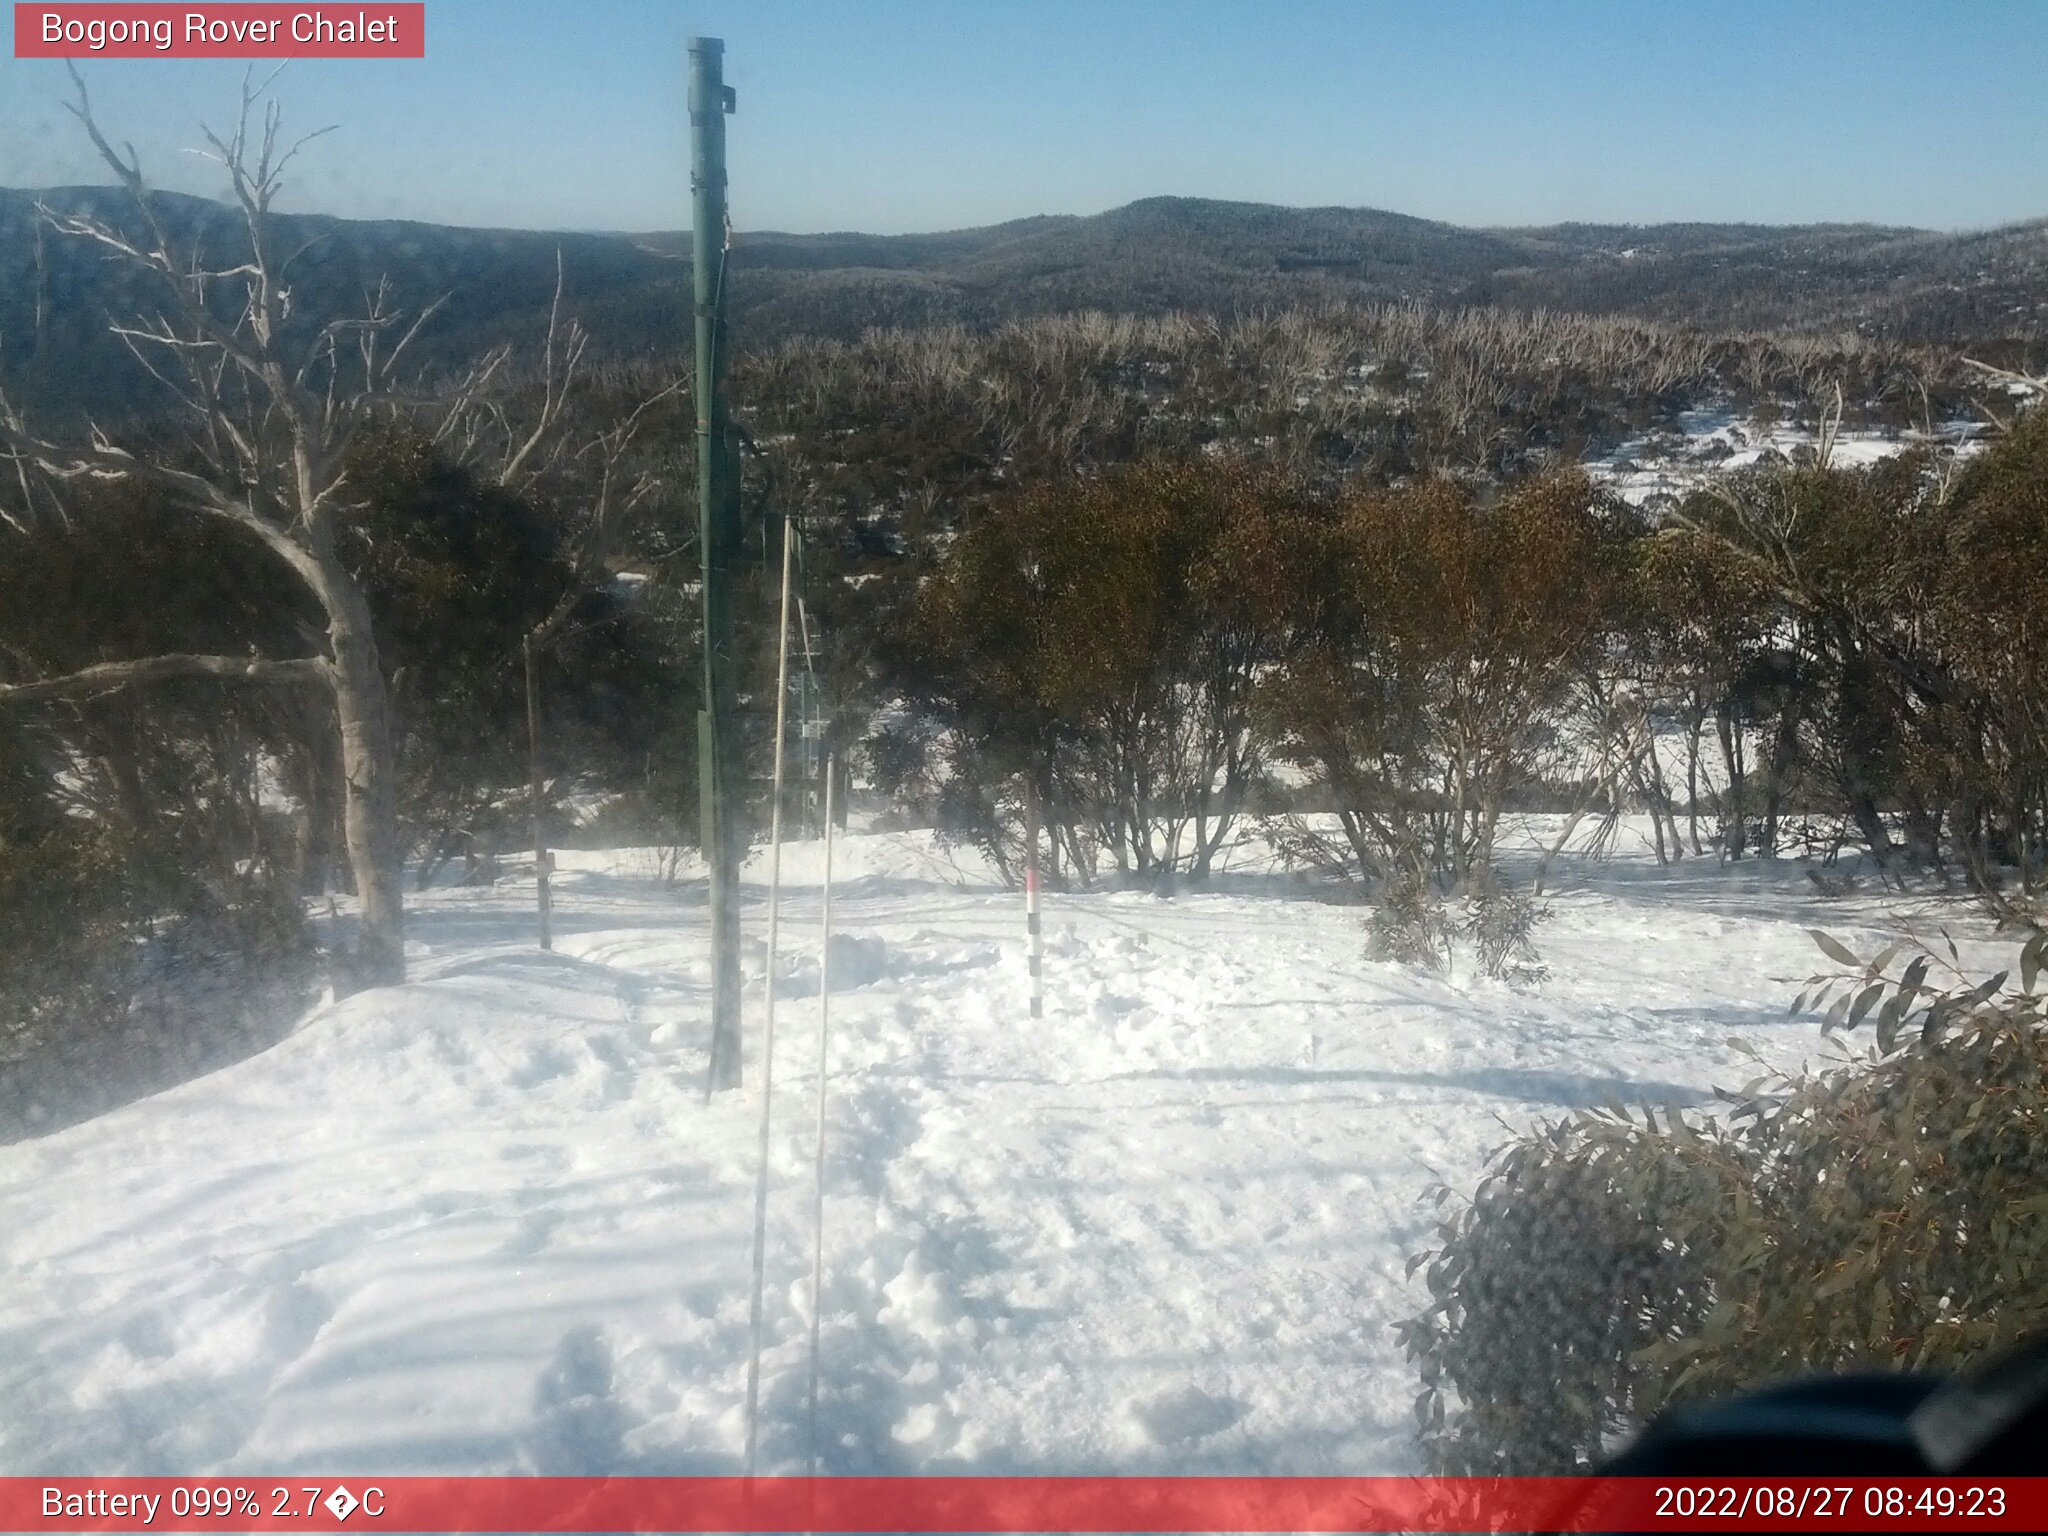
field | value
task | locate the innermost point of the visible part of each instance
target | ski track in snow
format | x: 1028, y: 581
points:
x: 488, y: 1222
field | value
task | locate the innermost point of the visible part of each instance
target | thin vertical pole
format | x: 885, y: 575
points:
x: 1031, y: 895
x: 768, y: 1008
x: 818, y: 1159
x: 717, y: 536
x: 542, y: 863
x: 42, y: 330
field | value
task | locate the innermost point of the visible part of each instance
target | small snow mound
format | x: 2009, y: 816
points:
x: 857, y: 960
x: 578, y: 1426
x: 1185, y: 1413
x: 920, y: 1303
x: 917, y: 1426
x: 796, y: 965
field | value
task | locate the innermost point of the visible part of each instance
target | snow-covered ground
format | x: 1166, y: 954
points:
x: 1661, y: 468
x: 488, y: 1222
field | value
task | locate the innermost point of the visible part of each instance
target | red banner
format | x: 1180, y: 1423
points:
x: 102, y: 31
x: 948, y: 1504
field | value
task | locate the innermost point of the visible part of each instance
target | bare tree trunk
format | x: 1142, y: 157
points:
x: 42, y: 324
x: 274, y: 420
x: 1656, y: 816
x: 1694, y: 725
x: 1782, y: 747
x: 1733, y: 840
x: 541, y: 860
x: 1208, y: 844
x: 320, y: 806
x: 1860, y: 734
x: 369, y: 797
x: 1660, y: 796
x: 1611, y: 786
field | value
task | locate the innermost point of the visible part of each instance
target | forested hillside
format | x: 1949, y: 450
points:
x: 1986, y: 291
x: 1430, y: 681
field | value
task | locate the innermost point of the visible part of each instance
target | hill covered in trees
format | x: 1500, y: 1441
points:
x: 1987, y: 291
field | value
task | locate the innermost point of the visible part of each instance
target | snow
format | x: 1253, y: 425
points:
x: 1710, y: 442
x: 488, y: 1222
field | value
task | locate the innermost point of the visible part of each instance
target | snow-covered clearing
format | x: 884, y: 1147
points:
x: 1659, y: 469
x: 487, y: 1222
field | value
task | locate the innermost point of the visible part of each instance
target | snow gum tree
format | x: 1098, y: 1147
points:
x: 270, y: 411
x: 1105, y: 633
x: 1879, y: 630
x: 1704, y: 625
x: 1444, y: 636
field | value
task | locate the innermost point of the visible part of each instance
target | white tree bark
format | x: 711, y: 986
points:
x: 270, y: 430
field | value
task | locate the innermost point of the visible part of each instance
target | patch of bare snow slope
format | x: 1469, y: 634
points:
x: 1661, y: 467
x: 488, y: 1222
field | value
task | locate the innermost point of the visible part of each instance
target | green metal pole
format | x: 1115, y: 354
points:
x: 718, y: 537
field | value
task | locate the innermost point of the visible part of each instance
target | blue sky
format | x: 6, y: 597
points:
x: 893, y: 115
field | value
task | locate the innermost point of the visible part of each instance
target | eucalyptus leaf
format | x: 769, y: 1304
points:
x: 1833, y: 948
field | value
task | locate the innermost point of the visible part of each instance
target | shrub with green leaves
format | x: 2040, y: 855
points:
x: 1892, y: 1213
x: 1501, y: 919
x: 1413, y: 923
x: 1409, y: 925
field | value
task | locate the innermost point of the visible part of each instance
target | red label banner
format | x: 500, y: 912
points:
x: 945, y: 1504
x: 241, y: 31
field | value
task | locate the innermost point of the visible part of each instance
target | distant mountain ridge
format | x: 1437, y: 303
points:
x: 1158, y: 254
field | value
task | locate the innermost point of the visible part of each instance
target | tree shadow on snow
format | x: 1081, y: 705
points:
x: 1564, y: 1090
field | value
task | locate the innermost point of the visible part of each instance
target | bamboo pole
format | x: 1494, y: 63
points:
x: 818, y: 1161
x: 768, y: 1007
